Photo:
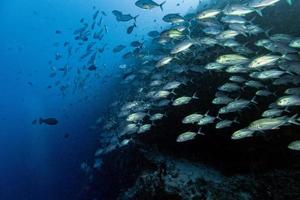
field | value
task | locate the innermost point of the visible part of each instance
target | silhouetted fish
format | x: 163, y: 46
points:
x: 48, y: 121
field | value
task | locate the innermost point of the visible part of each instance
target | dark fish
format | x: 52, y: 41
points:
x: 116, y: 13
x: 92, y: 68
x: 93, y: 25
x: 100, y: 21
x: 118, y: 48
x: 136, y: 44
x: 69, y: 51
x: 103, y: 13
x: 123, y: 17
x: 66, y: 44
x: 101, y: 50
x: 81, y: 30
x: 67, y: 135
x: 48, y: 121
x: 87, y: 53
x: 92, y: 58
x: 58, y: 32
x: 101, y: 37
x: 95, y: 15
x: 127, y: 55
x: 153, y: 34
x: 149, y: 4
x: 130, y: 28
x: 57, y: 56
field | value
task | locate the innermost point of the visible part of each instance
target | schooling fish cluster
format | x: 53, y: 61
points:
x: 257, y: 66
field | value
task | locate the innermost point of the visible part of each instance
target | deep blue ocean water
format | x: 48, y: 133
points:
x: 37, y: 161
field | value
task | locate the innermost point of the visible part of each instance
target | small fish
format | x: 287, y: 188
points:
x: 162, y: 94
x: 214, y: 66
x: 232, y: 59
x: 173, y: 18
x: 134, y: 117
x: 153, y: 34
x: 262, y: 3
x: 242, y: 133
x: 130, y: 28
x: 275, y: 112
x: 157, y: 116
x: 172, y: 85
x: 149, y: 4
x: 144, y: 128
x: 238, y: 10
x: 184, y: 100
x: 48, y: 121
x: 262, y: 61
x: 164, y: 61
x: 95, y: 14
x: 181, y: 47
x: 211, y: 13
x: 189, y: 135
x: 118, y: 48
x: 225, y: 123
x: 222, y: 100
x: 92, y: 68
x: 206, y: 119
x: 192, y: 119
x: 271, y: 123
x: 264, y: 93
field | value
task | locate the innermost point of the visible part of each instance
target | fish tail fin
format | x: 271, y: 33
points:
x: 189, y: 27
x: 286, y: 110
x: 235, y: 120
x: 258, y: 11
x: 206, y: 113
x: 161, y: 5
x: 191, y: 80
x: 165, y: 114
x: 293, y: 119
x: 199, y: 131
x: 172, y: 92
x: 195, y: 96
x: 41, y: 120
x: 148, y: 113
x: 253, y: 100
x: 134, y: 18
x: 268, y: 32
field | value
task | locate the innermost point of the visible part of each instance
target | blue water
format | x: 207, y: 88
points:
x: 36, y: 161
